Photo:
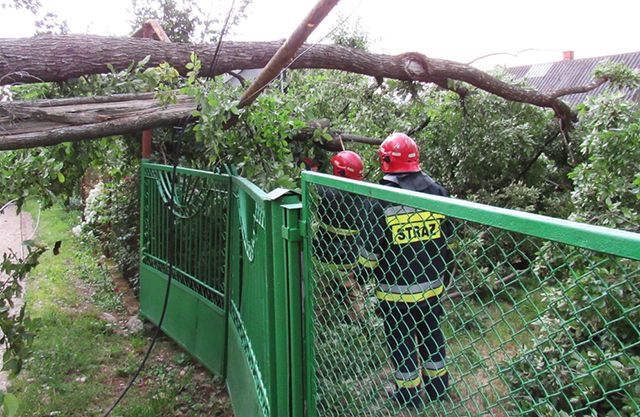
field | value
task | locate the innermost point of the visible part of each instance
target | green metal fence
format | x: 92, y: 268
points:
x: 423, y: 305
x: 265, y: 335
x: 522, y: 314
x: 235, y: 298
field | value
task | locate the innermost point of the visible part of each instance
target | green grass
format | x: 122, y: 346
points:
x: 79, y: 361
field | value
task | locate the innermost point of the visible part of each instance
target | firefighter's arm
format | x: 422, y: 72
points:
x: 367, y: 263
x: 369, y: 241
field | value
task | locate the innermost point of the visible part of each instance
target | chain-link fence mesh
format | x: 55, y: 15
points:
x: 415, y: 313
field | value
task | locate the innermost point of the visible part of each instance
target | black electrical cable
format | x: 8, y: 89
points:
x: 171, y: 261
x: 214, y: 60
x: 171, y: 233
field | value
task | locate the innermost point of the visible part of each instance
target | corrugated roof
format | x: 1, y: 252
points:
x: 573, y: 73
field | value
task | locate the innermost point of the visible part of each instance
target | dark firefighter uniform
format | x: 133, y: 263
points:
x: 406, y: 251
x: 336, y: 245
x: 337, y: 235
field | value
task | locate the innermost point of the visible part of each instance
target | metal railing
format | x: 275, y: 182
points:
x: 234, y: 285
x: 508, y: 313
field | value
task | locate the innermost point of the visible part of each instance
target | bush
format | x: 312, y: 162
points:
x: 585, y: 357
x: 112, y: 215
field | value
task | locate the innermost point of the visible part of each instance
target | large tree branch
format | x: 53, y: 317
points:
x: 28, y: 124
x: 580, y: 89
x: 58, y: 58
x: 49, y: 122
x: 285, y: 53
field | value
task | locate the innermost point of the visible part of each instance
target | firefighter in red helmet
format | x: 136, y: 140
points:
x: 337, y: 235
x: 347, y: 164
x: 407, y: 253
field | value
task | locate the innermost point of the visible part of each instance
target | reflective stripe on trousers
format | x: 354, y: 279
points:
x: 434, y: 369
x: 415, y: 341
x: 338, y: 231
x: 408, y: 379
x: 409, y: 293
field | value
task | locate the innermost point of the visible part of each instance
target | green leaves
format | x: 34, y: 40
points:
x: 618, y: 74
x: 10, y: 404
x: 15, y: 336
x: 606, y: 183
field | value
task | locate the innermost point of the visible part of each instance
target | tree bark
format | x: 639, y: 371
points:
x: 29, y: 124
x: 49, y: 122
x: 286, y: 52
x: 60, y: 57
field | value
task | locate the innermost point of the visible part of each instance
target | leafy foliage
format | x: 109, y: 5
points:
x: 593, y: 302
x: 262, y: 132
x: 619, y: 75
x: 607, y: 184
x: 480, y: 147
x: 110, y: 216
x: 46, y: 22
x: 32, y: 5
x: 50, y: 24
x: 584, y: 356
x: 15, y: 337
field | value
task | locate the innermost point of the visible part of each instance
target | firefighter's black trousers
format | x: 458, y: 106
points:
x: 416, y: 345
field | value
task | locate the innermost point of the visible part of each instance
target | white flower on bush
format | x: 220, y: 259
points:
x: 92, y: 205
x: 77, y: 230
x: 5, y: 93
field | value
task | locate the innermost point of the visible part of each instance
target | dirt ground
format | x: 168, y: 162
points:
x: 14, y: 228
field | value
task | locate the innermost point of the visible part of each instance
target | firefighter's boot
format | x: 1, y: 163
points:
x: 436, y: 387
x: 407, y: 397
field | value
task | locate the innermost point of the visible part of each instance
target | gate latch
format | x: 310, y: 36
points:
x: 291, y: 233
x: 294, y: 230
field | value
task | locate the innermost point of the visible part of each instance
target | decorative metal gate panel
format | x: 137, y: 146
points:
x: 197, y: 297
x: 235, y: 294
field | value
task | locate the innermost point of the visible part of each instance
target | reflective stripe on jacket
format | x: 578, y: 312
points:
x: 406, y: 247
x: 336, y: 228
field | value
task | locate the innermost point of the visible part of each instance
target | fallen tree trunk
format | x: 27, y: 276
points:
x: 29, y: 124
x: 60, y: 57
x: 49, y: 122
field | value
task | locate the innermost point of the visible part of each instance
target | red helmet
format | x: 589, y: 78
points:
x: 347, y: 164
x: 399, y: 153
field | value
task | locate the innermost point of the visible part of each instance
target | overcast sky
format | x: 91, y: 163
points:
x: 459, y: 30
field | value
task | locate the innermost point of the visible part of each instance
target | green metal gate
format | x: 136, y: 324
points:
x: 541, y: 316
x: 265, y: 288
x: 235, y: 298
x: 195, y: 315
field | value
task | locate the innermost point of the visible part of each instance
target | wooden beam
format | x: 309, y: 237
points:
x: 151, y: 29
x: 286, y: 53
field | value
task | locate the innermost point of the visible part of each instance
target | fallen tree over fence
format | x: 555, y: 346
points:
x: 29, y: 124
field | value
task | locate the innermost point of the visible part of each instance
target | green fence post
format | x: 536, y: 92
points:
x: 143, y: 204
x: 278, y: 308
x: 291, y: 234
x: 308, y: 280
x: 228, y: 275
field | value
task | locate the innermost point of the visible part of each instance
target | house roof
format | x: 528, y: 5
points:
x: 573, y: 73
